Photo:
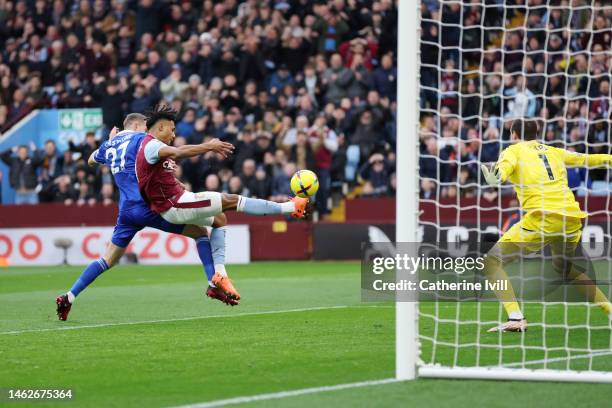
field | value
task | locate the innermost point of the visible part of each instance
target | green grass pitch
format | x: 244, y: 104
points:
x: 146, y: 336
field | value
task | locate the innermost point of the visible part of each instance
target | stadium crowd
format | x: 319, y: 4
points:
x: 485, y: 63
x: 292, y: 83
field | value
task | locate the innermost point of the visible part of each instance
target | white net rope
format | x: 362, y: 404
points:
x: 483, y: 64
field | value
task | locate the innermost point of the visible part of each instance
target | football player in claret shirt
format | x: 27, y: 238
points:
x: 552, y: 215
x: 119, y: 153
x: 168, y: 197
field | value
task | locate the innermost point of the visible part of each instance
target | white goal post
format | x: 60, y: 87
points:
x: 407, y: 199
x: 569, y: 342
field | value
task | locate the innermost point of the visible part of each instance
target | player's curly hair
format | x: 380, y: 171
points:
x: 160, y: 112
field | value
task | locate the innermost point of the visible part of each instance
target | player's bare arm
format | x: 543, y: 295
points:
x: 223, y: 149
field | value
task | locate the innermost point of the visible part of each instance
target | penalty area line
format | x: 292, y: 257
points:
x: 184, y: 319
x: 286, y: 394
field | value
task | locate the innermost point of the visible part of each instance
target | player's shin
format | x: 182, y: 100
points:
x: 217, y: 242
x: 206, y: 257
x: 93, y: 270
x: 255, y: 206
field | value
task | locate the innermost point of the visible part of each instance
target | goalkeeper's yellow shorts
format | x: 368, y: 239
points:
x: 537, y: 230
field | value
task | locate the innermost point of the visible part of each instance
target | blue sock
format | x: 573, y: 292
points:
x: 90, y: 274
x: 255, y: 206
x: 217, y: 241
x: 205, y: 253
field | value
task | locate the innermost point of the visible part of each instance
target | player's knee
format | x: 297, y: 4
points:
x: 194, y: 231
x: 113, y: 255
x: 220, y: 221
x: 229, y: 201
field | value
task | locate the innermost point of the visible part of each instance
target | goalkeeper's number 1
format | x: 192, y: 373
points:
x: 547, y: 166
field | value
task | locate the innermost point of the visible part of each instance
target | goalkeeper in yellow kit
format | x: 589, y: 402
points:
x: 552, y: 215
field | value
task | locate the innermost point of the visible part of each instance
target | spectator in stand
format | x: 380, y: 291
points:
x: 87, y: 147
x: 61, y: 190
x: 337, y: 79
x: 261, y: 187
x: 280, y: 79
x: 107, y: 195
x: 301, y: 152
x: 51, y: 168
x: 252, y: 66
x: 311, y: 84
x: 281, y: 186
x: 235, y: 186
x: 331, y: 28
x: 324, y: 143
x: 247, y: 175
x: 289, y: 139
x: 385, y: 78
x: 363, y: 140
x: 22, y: 173
x: 19, y: 106
x: 171, y: 87
x: 186, y: 126
x: 145, y: 95
x: 375, y: 175
x: 110, y: 99
x: 212, y: 183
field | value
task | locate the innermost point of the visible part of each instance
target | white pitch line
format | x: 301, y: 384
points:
x: 285, y: 394
x: 555, y: 360
x: 182, y: 319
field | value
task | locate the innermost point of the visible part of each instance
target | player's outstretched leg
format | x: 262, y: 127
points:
x: 254, y: 206
x: 93, y: 270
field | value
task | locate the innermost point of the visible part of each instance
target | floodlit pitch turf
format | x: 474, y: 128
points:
x: 157, y: 341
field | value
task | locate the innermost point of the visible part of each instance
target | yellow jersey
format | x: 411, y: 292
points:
x: 539, y: 175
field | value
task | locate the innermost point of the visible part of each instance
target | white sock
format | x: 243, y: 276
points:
x: 221, y: 269
x: 241, y: 204
x: 71, y: 297
x: 516, y: 316
x: 288, y: 207
x: 211, y: 284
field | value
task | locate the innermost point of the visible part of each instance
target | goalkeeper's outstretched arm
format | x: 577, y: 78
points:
x: 573, y: 159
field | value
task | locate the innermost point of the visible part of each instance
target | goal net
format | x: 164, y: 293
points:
x: 484, y: 63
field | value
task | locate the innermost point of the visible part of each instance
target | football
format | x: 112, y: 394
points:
x: 304, y: 183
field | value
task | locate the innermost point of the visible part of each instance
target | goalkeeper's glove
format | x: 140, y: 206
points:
x: 491, y: 176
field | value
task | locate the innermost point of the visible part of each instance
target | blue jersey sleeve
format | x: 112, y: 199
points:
x: 100, y: 154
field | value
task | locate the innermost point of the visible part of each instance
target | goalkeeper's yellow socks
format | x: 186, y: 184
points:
x: 494, y: 271
x: 514, y: 310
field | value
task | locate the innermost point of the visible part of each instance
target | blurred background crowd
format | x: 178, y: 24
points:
x: 484, y: 65
x: 292, y: 83
x: 307, y: 84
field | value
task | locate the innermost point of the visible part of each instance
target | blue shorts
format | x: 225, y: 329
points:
x: 133, y: 219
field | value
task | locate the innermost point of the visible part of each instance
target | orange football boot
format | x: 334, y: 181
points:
x: 300, y: 207
x: 225, y: 284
